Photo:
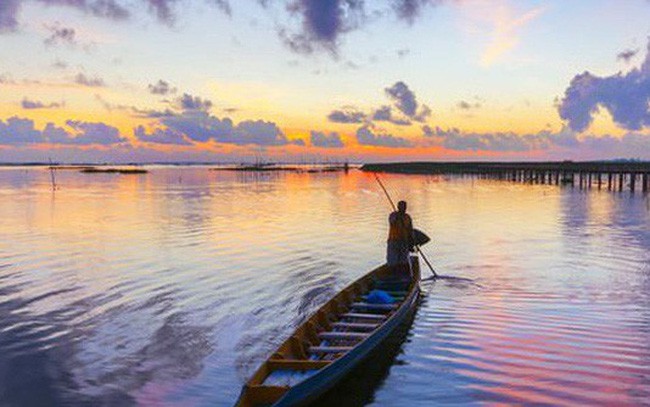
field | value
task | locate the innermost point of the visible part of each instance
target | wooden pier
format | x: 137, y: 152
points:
x: 617, y: 176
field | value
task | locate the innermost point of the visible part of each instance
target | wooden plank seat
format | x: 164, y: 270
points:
x: 342, y: 335
x: 359, y: 315
x: 379, y: 307
x: 354, y: 326
x: 329, y: 349
x: 297, y: 364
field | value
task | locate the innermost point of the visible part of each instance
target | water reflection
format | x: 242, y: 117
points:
x: 171, y: 287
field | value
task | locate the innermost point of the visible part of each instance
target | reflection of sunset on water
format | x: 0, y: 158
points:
x: 112, y: 271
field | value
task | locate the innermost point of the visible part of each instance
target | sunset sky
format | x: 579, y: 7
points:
x: 304, y: 80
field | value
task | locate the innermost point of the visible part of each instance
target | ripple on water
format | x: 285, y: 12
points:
x: 170, y: 289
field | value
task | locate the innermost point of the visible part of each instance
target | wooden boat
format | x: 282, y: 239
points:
x: 334, y: 340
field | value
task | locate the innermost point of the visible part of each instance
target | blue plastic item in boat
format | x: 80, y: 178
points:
x: 379, y: 297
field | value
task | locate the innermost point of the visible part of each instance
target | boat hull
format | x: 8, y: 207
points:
x: 334, y: 370
x: 311, y: 389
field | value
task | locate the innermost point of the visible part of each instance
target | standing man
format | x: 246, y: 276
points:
x: 400, y: 241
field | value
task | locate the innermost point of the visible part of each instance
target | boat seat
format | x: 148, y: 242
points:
x: 354, y: 326
x: 363, y: 316
x: 380, y: 307
x: 342, y: 335
x: 329, y: 349
x: 297, y: 364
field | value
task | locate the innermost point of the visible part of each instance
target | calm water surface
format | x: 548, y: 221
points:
x: 170, y: 288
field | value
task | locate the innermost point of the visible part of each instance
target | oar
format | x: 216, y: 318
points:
x: 435, y: 275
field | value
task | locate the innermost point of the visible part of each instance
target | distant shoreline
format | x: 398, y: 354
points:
x: 169, y: 164
x: 384, y: 167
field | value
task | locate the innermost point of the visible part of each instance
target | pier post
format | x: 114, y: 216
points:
x: 620, y: 181
x: 632, y: 181
x: 645, y: 181
x: 582, y: 179
x: 600, y: 180
x: 609, y: 181
x: 557, y: 177
x: 589, y: 180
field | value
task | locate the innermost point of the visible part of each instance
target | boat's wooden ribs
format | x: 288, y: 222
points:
x: 355, y: 326
x: 297, y: 364
x: 380, y: 307
x: 342, y: 335
x: 357, y: 315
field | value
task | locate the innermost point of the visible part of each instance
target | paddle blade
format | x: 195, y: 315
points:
x: 420, y: 237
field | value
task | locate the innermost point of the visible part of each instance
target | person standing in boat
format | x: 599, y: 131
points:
x: 400, y: 240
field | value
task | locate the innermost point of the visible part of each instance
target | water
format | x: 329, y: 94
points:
x: 170, y: 288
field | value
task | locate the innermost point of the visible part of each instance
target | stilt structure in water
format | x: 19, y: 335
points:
x: 619, y: 175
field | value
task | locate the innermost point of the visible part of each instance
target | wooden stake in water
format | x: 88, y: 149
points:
x: 52, y: 176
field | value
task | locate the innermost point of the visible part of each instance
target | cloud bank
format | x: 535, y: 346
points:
x: 82, y: 79
x: 161, y: 136
x: 29, y: 104
x: 200, y: 126
x: 385, y: 114
x: 409, y: 10
x: 321, y: 24
x: 366, y: 137
x: 189, y: 102
x: 163, y: 10
x: 565, y: 141
x: 19, y: 131
x: 346, y: 115
x: 625, y: 96
x: 403, y: 112
x: 331, y: 140
x: 306, y: 27
x: 161, y: 88
x: 183, y: 129
x: 60, y: 35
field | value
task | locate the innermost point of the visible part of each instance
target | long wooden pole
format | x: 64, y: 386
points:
x: 386, y: 192
x: 435, y: 275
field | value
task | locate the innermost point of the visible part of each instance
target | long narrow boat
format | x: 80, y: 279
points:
x: 334, y: 340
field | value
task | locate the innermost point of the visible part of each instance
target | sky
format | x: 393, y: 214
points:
x: 323, y: 80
